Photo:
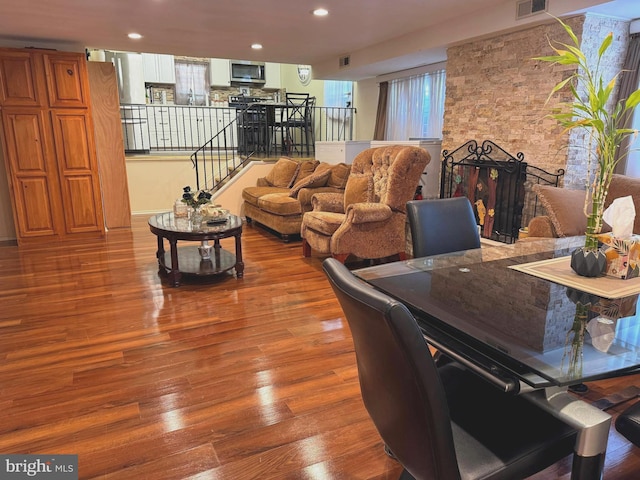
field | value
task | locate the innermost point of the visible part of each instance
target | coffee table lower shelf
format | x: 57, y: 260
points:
x: 191, y: 263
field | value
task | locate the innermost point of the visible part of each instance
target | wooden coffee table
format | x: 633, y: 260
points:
x: 202, y: 260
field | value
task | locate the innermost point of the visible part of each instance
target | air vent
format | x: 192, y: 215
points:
x: 344, y: 61
x: 526, y: 8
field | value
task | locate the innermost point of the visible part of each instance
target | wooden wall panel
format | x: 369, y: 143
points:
x: 105, y: 103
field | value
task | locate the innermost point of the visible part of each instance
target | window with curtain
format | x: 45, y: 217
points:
x: 192, y: 83
x: 338, y: 93
x: 415, y: 107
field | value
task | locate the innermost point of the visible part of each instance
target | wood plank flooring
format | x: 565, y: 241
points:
x: 223, y: 379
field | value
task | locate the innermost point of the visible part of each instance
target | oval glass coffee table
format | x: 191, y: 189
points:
x: 201, y: 260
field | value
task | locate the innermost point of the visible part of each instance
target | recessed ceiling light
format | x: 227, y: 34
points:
x: 256, y: 46
x: 320, y: 12
x: 134, y: 36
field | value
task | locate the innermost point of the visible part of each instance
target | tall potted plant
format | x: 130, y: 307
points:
x: 591, y: 109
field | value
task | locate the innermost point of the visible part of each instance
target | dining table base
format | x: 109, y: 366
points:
x: 593, y: 427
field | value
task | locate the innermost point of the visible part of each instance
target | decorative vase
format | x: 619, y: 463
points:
x: 587, y: 262
x: 205, y: 250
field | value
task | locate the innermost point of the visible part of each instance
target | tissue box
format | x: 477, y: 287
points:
x: 623, y: 255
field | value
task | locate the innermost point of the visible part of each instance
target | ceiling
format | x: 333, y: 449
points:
x: 381, y: 36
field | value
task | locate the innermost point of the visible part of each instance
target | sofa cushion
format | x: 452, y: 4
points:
x: 283, y: 173
x: 359, y: 189
x: 252, y: 194
x: 279, y: 204
x: 565, y: 209
x: 305, y: 168
x: 315, y: 180
x: 622, y: 186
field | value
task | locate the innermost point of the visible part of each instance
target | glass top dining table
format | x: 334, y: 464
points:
x: 516, y: 325
x: 527, y: 335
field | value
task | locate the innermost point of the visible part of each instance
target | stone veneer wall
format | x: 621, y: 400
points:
x: 495, y: 91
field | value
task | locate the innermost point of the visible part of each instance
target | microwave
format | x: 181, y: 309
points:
x: 247, y: 72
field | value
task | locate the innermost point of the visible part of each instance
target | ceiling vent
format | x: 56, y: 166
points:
x: 526, y: 8
x: 344, y: 61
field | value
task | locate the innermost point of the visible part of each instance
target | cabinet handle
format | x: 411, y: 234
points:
x: 69, y: 72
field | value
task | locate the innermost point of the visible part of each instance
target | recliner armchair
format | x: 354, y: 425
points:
x: 369, y: 219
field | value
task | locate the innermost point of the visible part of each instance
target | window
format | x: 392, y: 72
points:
x: 415, y: 107
x: 192, y: 83
x: 338, y: 93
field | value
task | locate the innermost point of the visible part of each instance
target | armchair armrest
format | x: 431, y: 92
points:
x: 306, y: 194
x: 328, y: 202
x: 367, y: 213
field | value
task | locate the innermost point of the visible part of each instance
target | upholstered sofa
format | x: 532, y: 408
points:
x: 279, y: 199
x: 564, y: 208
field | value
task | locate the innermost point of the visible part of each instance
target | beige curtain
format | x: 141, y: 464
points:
x: 628, y: 84
x: 381, y: 115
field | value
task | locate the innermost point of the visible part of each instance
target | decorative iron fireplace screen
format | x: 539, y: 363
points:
x: 497, y: 184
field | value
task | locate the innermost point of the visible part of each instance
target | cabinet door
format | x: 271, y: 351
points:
x: 66, y: 80
x: 77, y: 169
x: 219, y: 72
x: 166, y: 69
x: 31, y: 172
x: 18, y: 85
x: 272, y: 75
x: 150, y: 68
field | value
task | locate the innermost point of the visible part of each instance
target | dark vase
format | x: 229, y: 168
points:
x: 588, y: 262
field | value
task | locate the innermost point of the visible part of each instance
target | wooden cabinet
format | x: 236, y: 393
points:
x: 48, y: 145
x: 158, y: 68
x: 219, y: 72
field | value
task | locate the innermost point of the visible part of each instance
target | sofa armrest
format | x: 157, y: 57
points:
x: 328, y: 202
x: 306, y: 194
x: 541, y: 226
x: 367, y: 213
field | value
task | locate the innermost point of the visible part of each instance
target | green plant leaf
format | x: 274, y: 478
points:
x: 605, y: 44
x: 632, y: 100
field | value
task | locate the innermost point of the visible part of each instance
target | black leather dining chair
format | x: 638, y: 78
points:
x: 442, y: 225
x: 628, y: 424
x: 439, y: 422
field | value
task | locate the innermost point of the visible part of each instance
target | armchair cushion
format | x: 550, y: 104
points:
x: 565, y: 209
x: 359, y: 189
x: 324, y: 222
x: 283, y: 173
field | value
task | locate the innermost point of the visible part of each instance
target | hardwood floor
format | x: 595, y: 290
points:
x: 223, y: 379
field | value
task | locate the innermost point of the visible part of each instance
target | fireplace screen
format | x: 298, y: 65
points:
x: 496, y: 183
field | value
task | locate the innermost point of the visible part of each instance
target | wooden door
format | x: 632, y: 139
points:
x: 77, y: 170
x: 18, y: 79
x: 66, y: 80
x: 31, y: 172
x: 105, y: 105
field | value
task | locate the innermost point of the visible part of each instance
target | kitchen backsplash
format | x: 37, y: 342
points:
x: 218, y: 96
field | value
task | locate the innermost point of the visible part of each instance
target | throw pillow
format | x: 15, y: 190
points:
x: 282, y: 173
x: 315, y: 180
x: 306, y: 168
x: 359, y: 189
x: 565, y: 209
x: 339, y: 175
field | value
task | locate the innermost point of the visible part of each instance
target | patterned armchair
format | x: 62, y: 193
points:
x: 368, y: 220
